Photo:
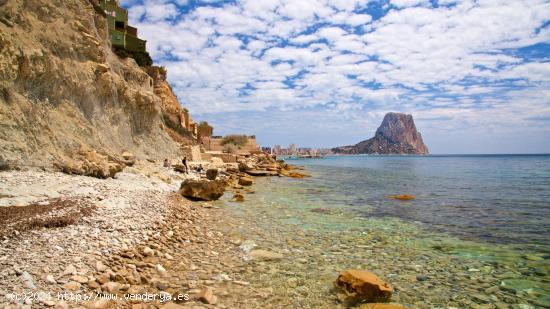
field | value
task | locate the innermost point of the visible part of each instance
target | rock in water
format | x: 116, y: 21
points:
x: 212, y: 173
x: 396, y: 135
x: 361, y: 285
x: 245, y: 181
x: 204, y: 190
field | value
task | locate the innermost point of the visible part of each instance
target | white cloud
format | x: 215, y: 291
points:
x: 435, y: 62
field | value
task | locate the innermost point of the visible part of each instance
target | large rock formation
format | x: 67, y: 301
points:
x: 62, y: 88
x: 396, y: 135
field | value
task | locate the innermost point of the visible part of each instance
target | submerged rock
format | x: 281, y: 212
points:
x: 402, y: 197
x: 261, y: 173
x: 205, y: 190
x: 265, y: 255
x: 360, y: 285
x: 238, y: 197
x: 246, y: 181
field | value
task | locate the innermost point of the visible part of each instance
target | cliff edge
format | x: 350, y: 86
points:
x: 396, y: 135
x: 62, y: 88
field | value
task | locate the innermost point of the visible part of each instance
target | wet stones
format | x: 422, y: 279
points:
x: 356, y: 286
x: 265, y: 255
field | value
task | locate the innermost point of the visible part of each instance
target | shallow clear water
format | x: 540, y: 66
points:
x: 478, y: 229
x: 494, y: 198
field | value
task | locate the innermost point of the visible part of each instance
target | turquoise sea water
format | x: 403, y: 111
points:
x: 478, y: 230
x: 493, y: 198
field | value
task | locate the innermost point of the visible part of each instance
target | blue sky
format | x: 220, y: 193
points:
x: 474, y: 74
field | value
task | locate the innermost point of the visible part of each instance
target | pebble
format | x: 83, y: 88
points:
x: 206, y: 295
x: 72, y: 286
x: 28, y: 280
x: 50, y: 279
x: 421, y: 277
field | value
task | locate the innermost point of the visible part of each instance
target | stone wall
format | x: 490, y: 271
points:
x: 193, y: 153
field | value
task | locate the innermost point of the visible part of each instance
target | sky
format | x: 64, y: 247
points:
x: 475, y: 75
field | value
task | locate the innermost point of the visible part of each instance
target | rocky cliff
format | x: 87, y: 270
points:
x: 396, y: 135
x: 62, y: 88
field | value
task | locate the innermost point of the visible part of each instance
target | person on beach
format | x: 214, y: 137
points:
x: 184, y: 162
x: 200, y: 168
x: 167, y: 163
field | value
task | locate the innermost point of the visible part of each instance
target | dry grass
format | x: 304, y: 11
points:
x: 59, y: 213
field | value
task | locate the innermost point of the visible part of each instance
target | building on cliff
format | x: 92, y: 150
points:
x: 121, y: 34
x: 176, y: 118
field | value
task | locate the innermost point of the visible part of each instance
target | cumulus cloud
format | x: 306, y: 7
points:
x: 441, y: 60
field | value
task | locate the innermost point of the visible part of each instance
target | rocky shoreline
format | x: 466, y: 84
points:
x: 106, y: 243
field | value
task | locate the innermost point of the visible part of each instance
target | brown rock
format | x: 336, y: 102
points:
x: 148, y: 251
x: 100, y: 267
x: 72, y: 286
x: 261, y: 173
x: 237, y: 197
x: 246, y: 181
x: 103, y: 278
x: 205, y: 190
x: 79, y: 279
x: 99, y: 304
x: 211, y: 173
x: 111, y: 287
x: 361, y: 285
x: 207, y: 296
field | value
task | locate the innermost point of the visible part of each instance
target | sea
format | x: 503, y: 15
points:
x: 479, y: 227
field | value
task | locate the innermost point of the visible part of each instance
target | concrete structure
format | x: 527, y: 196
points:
x: 122, y: 35
x: 193, y: 153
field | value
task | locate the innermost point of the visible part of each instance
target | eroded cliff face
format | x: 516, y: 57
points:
x: 396, y: 135
x: 62, y: 88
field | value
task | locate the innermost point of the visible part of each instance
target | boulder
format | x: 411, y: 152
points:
x: 212, y: 173
x: 204, y: 190
x: 246, y: 181
x: 238, y: 197
x: 361, y: 286
x: 180, y: 168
